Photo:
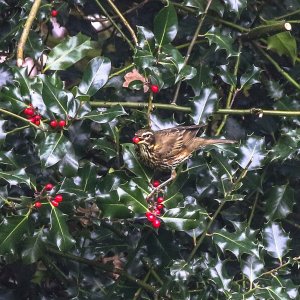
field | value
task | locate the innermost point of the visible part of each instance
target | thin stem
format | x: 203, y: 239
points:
x: 190, y: 48
x: 250, y: 111
x: 232, y: 92
x: 121, y: 71
x: 277, y: 67
x: 139, y: 291
x: 115, y: 25
x: 141, y: 105
x: 253, y: 209
x: 150, y: 108
x: 259, y: 112
x: 127, y: 25
x: 204, y: 233
x: 6, y: 112
x: 106, y: 268
x: 266, y: 30
x: 26, y: 30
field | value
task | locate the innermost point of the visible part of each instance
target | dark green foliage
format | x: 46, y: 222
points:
x: 230, y: 222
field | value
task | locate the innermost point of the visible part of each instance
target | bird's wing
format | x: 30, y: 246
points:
x: 170, y: 143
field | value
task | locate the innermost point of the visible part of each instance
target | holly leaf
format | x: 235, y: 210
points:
x: 133, y: 163
x: 12, y: 230
x: 276, y: 240
x: 283, y: 43
x: 15, y: 177
x: 68, y: 52
x: 252, y: 268
x: 221, y: 41
x: 279, y: 202
x: 59, y: 232
x: 54, y: 149
x: 203, y: 105
x: 184, y: 218
x: 165, y: 25
x: 106, y: 115
x: 95, y: 76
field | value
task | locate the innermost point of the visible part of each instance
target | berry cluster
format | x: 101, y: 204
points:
x: 57, y: 124
x: 53, y: 200
x: 155, y: 208
x: 32, y: 115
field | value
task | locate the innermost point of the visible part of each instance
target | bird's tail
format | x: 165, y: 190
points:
x: 204, y: 142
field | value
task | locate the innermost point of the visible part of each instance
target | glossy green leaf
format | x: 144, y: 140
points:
x: 132, y: 194
x: 59, y: 232
x: 280, y: 202
x: 15, y: 177
x: 145, y: 39
x: 133, y: 163
x: 54, y: 97
x: 238, y: 242
x: 55, y: 147
x: 221, y: 41
x: 197, y: 4
x: 252, y: 153
x: 283, y: 43
x: 84, y: 184
x: 2, y: 131
x: 250, y: 77
x: 165, y: 25
x: 227, y: 76
x: 217, y: 271
x: 184, y: 218
x: 11, y: 98
x: 25, y: 83
x: 33, y: 248
x: 95, y: 75
x: 236, y: 6
x: 252, y: 268
x: 144, y: 59
x: 68, y: 52
x: 287, y: 146
x: 106, y: 115
x: 12, y: 230
x: 68, y: 166
x: 276, y: 240
x: 203, y: 105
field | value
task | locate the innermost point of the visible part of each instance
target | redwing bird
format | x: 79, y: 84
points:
x: 167, y: 148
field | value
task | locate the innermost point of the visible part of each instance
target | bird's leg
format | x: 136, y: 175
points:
x: 163, y: 184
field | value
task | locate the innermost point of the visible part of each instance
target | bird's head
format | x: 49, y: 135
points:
x: 144, y: 137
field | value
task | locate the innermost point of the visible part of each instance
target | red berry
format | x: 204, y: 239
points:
x: 53, y: 123
x: 156, y: 183
x: 37, y: 118
x: 48, y: 187
x: 54, y: 203
x: 156, y: 223
x: 135, y: 140
x: 58, y: 198
x: 156, y: 212
x: 32, y: 120
x: 150, y: 216
x: 37, y: 122
x: 160, y: 199
x: 54, y: 13
x: 62, y: 123
x: 159, y: 206
x: 37, y: 204
x: 29, y: 111
x: 154, y: 88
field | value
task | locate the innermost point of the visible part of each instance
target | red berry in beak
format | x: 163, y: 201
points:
x: 135, y: 140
